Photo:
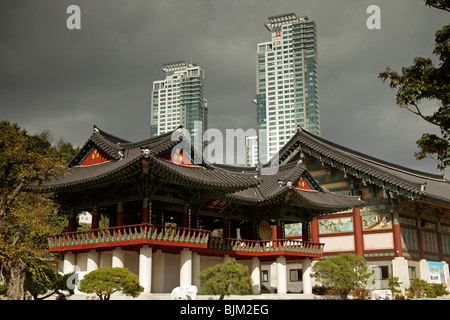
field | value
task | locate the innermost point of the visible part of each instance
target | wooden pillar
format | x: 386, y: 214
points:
x: 120, y: 213
x: 95, y: 218
x: 145, y: 210
x: 226, y: 233
x: 315, y: 230
x: 420, y: 237
x: 186, y: 216
x: 440, y: 244
x: 305, y: 232
x: 359, y: 243
x: 72, y: 225
x: 254, y: 230
x: 397, y: 235
x: 279, y: 229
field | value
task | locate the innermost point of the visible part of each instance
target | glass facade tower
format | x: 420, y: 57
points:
x: 287, y: 93
x: 179, y: 100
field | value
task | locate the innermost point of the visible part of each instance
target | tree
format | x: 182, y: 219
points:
x: 225, y: 279
x: 424, y: 81
x: 394, y: 285
x: 25, y: 161
x: 105, y: 281
x: 439, y: 4
x: 43, y: 282
x: 345, y: 272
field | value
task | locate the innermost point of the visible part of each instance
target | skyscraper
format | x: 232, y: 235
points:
x: 287, y: 93
x: 251, y: 151
x: 179, y: 100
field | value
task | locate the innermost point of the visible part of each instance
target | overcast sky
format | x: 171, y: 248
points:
x: 68, y: 80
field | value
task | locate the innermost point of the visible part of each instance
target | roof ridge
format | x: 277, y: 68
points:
x: 110, y: 137
x: 377, y: 161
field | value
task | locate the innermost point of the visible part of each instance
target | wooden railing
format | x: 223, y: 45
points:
x: 265, y: 247
x: 131, y: 234
x: 181, y: 237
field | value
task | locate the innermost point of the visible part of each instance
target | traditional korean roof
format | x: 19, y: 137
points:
x: 123, y: 159
x: 391, y: 177
x: 284, y: 185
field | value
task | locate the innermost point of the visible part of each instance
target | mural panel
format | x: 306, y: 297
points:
x: 377, y: 222
x: 336, y: 225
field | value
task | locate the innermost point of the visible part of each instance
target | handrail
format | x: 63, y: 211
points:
x: 128, y: 232
x: 255, y: 246
x: 182, y: 235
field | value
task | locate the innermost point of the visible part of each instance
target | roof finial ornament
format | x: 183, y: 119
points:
x: 299, y: 128
x: 96, y: 130
x: 423, y: 187
x: 145, y: 152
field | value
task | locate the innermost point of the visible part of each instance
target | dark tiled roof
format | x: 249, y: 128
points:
x: 372, y: 169
x: 276, y: 187
x: 127, y: 159
x: 241, y: 184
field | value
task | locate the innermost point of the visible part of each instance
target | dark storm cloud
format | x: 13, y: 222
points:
x: 68, y: 80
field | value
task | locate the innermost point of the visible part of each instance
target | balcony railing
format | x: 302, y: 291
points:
x: 179, y: 237
x: 266, y: 247
x: 129, y: 235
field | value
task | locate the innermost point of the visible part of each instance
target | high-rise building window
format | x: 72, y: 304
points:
x: 293, y: 39
x: 182, y: 90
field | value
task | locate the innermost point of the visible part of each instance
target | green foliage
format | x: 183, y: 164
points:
x: 420, y: 289
x: 42, y: 282
x: 436, y: 290
x: 394, y: 286
x: 423, y: 81
x: 105, y: 281
x: 225, y: 279
x: 417, y: 289
x: 26, y: 212
x: 3, y: 288
x: 345, y: 272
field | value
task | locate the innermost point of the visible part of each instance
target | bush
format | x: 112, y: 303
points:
x: 436, y: 290
x: 417, y: 289
x: 225, y: 279
x: 361, y: 294
x: 344, y: 272
x: 394, y: 286
x: 105, y: 281
x: 420, y: 289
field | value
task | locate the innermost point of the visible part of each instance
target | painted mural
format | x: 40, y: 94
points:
x: 335, y: 225
x: 293, y: 229
x: 377, y: 222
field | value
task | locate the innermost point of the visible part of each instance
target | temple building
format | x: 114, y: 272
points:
x: 172, y: 214
x: 403, y: 229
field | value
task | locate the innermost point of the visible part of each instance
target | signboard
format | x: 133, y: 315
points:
x: 437, y: 272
